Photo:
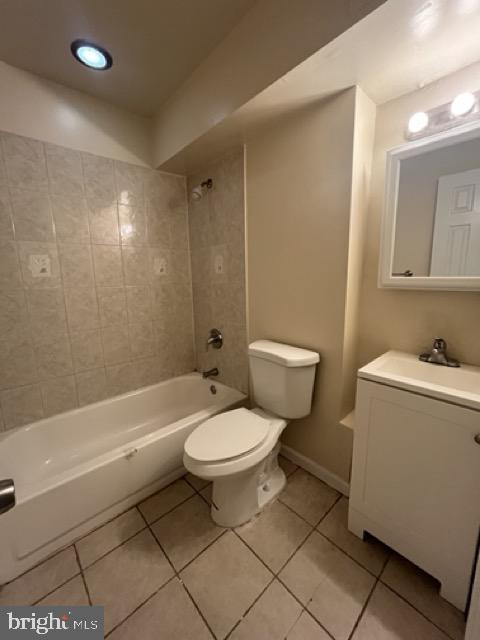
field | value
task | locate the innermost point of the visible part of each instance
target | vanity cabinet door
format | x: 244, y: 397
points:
x: 416, y: 474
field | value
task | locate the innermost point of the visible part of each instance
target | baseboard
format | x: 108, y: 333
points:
x: 316, y: 470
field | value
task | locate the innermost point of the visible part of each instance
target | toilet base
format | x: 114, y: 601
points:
x: 237, y: 499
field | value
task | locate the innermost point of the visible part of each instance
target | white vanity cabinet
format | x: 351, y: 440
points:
x: 416, y: 467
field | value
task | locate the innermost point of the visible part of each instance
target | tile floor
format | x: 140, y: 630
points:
x: 164, y: 571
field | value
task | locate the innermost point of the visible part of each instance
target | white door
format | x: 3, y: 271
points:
x: 473, y: 623
x: 456, y: 235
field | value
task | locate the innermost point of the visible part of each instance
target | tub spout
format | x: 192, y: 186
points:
x: 210, y: 373
x: 7, y: 495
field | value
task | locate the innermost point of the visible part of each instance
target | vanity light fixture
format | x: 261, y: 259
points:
x: 91, y: 55
x: 418, y: 122
x: 461, y: 110
x: 462, y: 104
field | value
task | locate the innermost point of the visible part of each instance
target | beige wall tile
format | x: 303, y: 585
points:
x: 24, y: 162
x: 21, y: 406
x: 87, y: 349
x: 121, y: 378
x: 108, y: 266
x: 103, y: 219
x: 13, y: 315
x: 91, y: 386
x: 70, y: 214
x: 65, y: 173
x: 135, y: 265
x: 53, y: 356
x: 158, y: 227
x: 99, y: 178
x: 116, y: 346
x: 65, y: 310
x: 17, y: 363
x: 217, y: 252
x: 159, y: 265
x: 29, y: 254
x: 6, y: 228
x: 150, y: 371
x: 76, y: 265
x: 46, y: 309
x: 82, y: 308
x: 133, y: 224
x: 129, y: 182
x: 10, y: 277
x: 139, y: 304
x: 112, y: 305
x: 142, y: 341
x: 59, y: 395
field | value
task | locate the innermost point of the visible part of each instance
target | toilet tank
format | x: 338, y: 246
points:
x: 282, y: 377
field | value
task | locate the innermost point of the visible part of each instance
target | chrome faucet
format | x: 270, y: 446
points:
x: 215, y: 339
x: 438, y: 355
x: 210, y: 373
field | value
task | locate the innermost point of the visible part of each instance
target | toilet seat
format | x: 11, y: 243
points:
x: 227, y: 436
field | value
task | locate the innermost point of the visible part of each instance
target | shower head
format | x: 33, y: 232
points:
x: 199, y: 191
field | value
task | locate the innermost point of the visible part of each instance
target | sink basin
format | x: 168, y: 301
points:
x: 405, y: 371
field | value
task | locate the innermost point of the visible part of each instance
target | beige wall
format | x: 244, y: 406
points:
x: 299, y: 192
x: 284, y: 32
x: 35, y: 107
x: 217, y: 232
x: 113, y: 310
x: 417, y: 201
x: 409, y: 320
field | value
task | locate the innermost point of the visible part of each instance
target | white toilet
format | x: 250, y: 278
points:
x: 238, y: 449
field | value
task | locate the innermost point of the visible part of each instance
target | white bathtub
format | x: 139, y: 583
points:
x: 76, y: 470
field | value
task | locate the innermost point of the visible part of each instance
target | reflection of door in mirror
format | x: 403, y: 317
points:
x: 456, y: 236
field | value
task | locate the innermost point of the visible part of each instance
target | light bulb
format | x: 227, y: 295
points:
x: 462, y: 104
x: 418, y: 122
x: 91, y: 55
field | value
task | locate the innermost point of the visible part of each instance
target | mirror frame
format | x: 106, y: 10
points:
x: 392, y: 178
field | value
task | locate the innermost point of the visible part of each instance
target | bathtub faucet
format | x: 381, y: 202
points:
x: 210, y: 373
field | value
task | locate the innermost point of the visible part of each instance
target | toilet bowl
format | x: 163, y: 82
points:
x: 238, y: 450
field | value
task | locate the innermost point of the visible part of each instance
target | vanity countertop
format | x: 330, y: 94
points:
x: 405, y: 371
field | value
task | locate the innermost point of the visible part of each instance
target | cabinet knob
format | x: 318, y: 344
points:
x: 477, y: 438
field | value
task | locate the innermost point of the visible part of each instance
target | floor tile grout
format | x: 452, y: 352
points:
x: 53, y: 590
x: 275, y: 574
x: 177, y: 573
x: 82, y: 574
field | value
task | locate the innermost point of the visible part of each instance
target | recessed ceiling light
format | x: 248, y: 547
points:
x: 418, y: 122
x: 462, y: 104
x: 91, y: 55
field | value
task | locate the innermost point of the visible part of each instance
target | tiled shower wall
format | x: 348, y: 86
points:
x: 94, y: 279
x: 217, y: 246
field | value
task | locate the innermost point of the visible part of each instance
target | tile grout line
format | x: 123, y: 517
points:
x: 83, y: 576
x: 177, y: 574
x: 367, y: 601
x: 399, y: 595
x: 274, y: 574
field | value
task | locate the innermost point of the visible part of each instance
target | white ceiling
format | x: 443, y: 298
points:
x: 401, y: 46
x: 155, y: 44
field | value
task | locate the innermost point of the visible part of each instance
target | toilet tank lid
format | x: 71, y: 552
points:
x: 283, y: 354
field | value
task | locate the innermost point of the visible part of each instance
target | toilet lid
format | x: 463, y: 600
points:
x: 227, y: 435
